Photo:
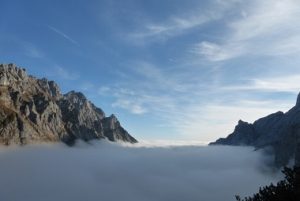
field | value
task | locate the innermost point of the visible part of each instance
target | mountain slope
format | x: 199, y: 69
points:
x: 34, y: 110
x: 279, y: 131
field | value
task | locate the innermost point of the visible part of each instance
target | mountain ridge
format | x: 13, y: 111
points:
x: 35, y: 110
x: 278, y: 131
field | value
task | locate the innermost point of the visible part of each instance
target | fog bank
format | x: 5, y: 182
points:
x: 111, y: 172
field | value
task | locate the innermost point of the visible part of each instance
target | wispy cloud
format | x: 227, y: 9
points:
x: 65, y: 74
x: 198, y: 110
x: 215, y: 52
x: 287, y: 83
x: 174, y: 26
x: 124, y: 98
x: 264, y: 28
x: 87, y: 86
x: 62, y: 34
x: 32, y: 51
x: 133, y: 106
x: 266, y: 18
x: 152, y: 95
x: 182, y: 22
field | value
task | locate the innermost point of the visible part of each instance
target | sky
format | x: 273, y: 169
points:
x: 169, y: 70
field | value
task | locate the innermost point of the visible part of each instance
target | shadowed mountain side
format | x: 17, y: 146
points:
x: 34, y: 110
x: 278, y: 131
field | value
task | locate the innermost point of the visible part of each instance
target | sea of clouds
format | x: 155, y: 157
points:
x: 110, y: 172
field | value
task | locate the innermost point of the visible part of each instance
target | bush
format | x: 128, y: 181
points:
x: 285, y: 190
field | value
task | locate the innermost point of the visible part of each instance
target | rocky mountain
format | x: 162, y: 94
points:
x: 279, y: 131
x: 34, y: 110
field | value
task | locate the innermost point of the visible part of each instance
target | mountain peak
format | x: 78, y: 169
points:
x: 34, y: 110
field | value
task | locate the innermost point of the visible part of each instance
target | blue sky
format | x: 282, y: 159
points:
x: 170, y: 70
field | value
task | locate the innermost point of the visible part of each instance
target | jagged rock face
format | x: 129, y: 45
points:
x: 82, y: 117
x: 278, y: 131
x: 114, y: 131
x: 34, y: 110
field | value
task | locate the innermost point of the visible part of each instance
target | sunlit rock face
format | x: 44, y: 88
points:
x: 34, y: 110
x: 279, y: 131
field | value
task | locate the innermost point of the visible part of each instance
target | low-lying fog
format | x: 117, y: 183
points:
x: 105, y: 171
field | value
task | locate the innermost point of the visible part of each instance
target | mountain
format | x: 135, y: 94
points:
x: 278, y: 131
x: 34, y: 110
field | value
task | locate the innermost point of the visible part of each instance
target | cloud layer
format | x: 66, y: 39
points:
x: 103, y: 171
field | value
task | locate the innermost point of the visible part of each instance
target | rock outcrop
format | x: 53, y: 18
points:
x: 34, y: 110
x: 279, y: 131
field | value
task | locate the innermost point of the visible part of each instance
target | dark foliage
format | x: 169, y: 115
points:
x: 285, y: 190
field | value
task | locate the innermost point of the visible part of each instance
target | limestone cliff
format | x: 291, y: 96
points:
x: 34, y: 110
